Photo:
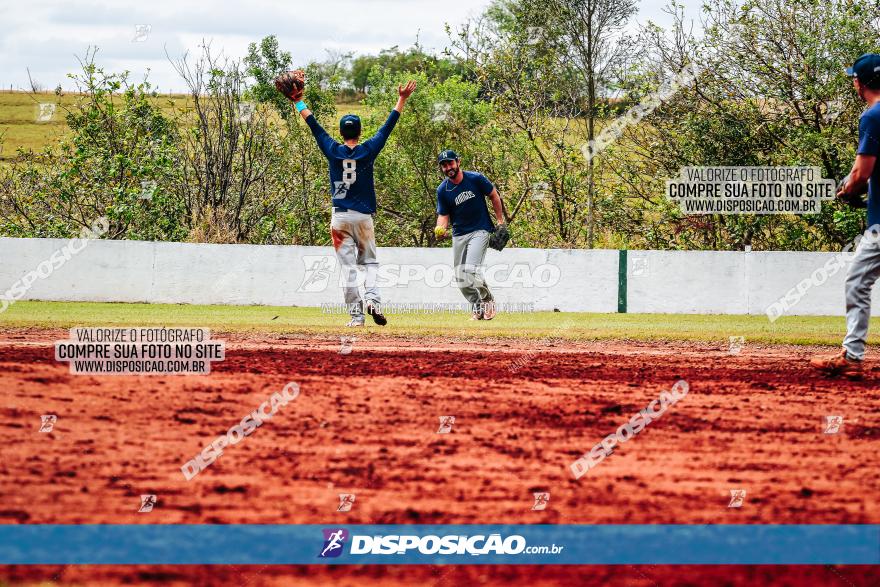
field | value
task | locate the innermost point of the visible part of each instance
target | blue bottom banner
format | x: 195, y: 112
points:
x: 440, y: 544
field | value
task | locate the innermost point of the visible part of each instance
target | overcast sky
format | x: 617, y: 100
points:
x: 46, y: 36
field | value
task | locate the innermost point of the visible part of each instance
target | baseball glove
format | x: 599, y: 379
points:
x: 498, y: 239
x: 291, y: 84
x: 854, y: 200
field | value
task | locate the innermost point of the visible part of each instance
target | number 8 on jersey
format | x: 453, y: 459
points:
x: 349, y: 173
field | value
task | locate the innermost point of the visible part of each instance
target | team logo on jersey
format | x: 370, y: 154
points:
x: 464, y: 197
x: 317, y: 274
x: 340, y: 189
x: 334, y: 542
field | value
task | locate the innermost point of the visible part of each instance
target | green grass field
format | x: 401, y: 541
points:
x: 802, y: 330
x: 20, y: 128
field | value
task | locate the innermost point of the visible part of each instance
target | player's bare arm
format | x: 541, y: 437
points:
x: 496, y: 205
x: 442, y: 228
x: 404, y: 92
x: 304, y: 112
x: 858, y: 177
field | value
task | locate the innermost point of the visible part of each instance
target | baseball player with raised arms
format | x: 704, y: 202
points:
x: 865, y: 267
x: 461, y: 201
x: 354, y: 200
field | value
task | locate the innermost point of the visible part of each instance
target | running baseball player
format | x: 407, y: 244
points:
x: 865, y: 268
x: 354, y: 200
x: 461, y: 200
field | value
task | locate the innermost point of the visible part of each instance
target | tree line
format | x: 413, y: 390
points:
x: 518, y: 92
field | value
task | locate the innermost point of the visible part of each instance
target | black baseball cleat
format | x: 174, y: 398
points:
x: 373, y: 311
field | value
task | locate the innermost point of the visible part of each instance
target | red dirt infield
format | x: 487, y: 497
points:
x: 366, y: 423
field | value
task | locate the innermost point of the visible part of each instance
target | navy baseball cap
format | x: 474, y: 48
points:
x: 447, y: 155
x: 867, y: 70
x: 350, y: 126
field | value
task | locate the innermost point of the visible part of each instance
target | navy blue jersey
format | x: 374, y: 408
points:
x: 869, y: 144
x: 351, y: 168
x: 465, y: 203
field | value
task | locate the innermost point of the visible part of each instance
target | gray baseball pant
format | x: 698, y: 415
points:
x: 863, y: 272
x: 355, y: 242
x: 469, y: 252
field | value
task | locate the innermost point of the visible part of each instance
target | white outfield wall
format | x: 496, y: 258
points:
x: 722, y: 282
x: 677, y: 282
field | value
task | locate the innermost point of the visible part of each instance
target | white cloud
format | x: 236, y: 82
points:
x: 47, y: 36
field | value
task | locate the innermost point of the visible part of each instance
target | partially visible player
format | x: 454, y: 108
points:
x: 461, y: 200
x: 865, y: 268
x: 354, y: 200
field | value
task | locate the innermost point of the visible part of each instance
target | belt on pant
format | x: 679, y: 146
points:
x: 341, y: 209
